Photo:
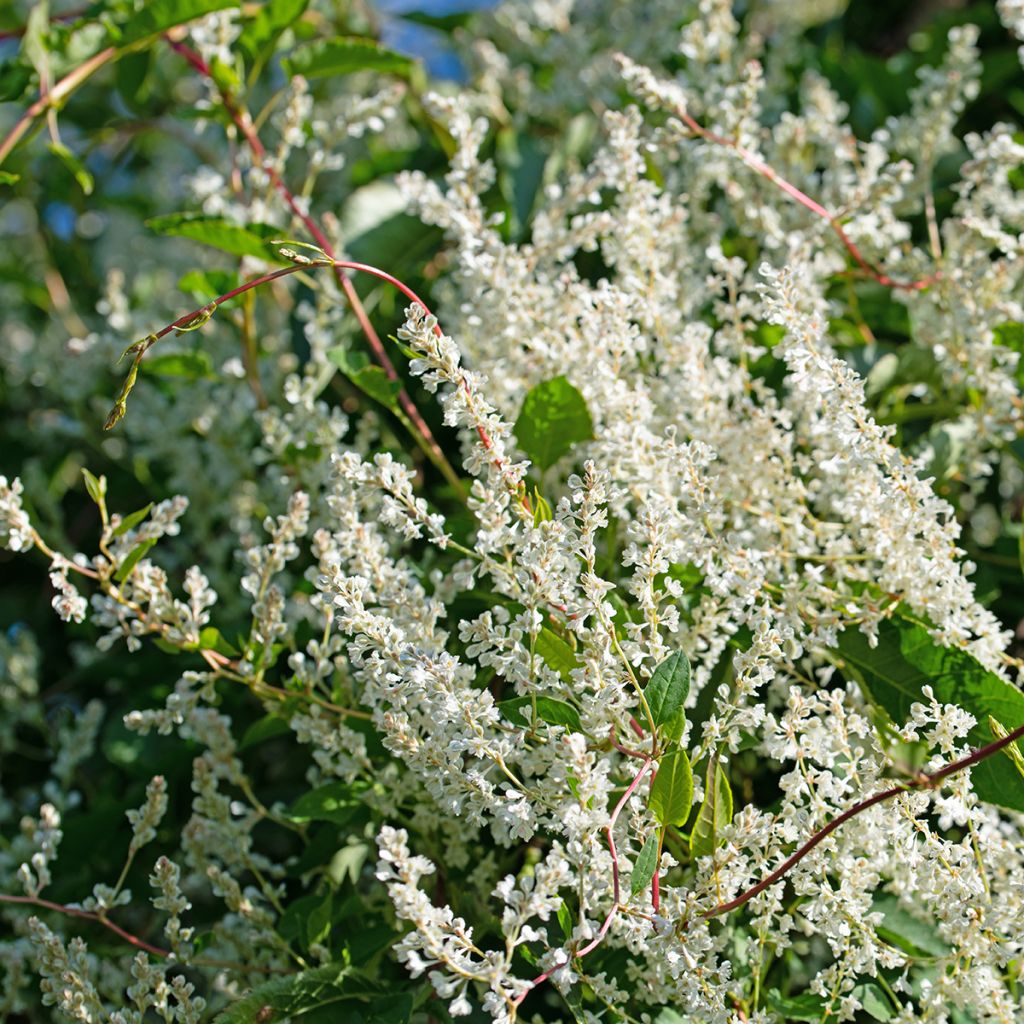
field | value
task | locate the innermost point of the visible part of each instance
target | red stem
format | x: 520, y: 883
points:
x: 759, y: 166
x: 926, y: 781
x: 580, y: 953
x: 134, y: 940
x: 244, y: 125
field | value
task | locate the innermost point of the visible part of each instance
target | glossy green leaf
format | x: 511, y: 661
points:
x: 251, y: 240
x: 337, y: 801
x: 342, y: 56
x: 565, y: 919
x: 212, y: 639
x: 549, y: 709
x: 156, y: 16
x: 129, y: 522
x: 668, y: 687
x: 298, y: 994
x: 134, y: 557
x: 554, y: 417
x: 907, y: 659
x: 715, y: 811
x: 556, y: 652
x: 369, y: 378
x: 645, y: 866
x: 672, y: 789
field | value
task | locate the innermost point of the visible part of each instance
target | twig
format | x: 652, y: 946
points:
x: 134, y: 940
x: 924, y: 781
x: 756, y: 164
x: 53, y: 97
x: 245, y: 126
x: 603, y: 930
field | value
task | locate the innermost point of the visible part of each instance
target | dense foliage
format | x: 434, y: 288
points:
x: 637, y: 639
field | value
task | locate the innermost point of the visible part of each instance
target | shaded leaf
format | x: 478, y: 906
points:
x: 554, y: 417
x: 369, y: 378
x: 645, y: 866
x: 337, y: 802
x: 907, y: 659
x: 672, y: 789
x: 301, y: 993
x: 74, y: 165
x: 342, y: 56
x: 156, y: 16
x: 715, y: 811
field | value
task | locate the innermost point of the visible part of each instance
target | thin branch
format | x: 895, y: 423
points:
x: 245, y: 126
x: 54, y: 97
x: 757, y: 165
x: 924, y: 781
x: 617, y: 892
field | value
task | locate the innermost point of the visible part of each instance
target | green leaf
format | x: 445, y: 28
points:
x: 342, y: 56
x: 1012, y: 750
x: 541, y: 509
x: 134, y: 557
x: 265, y: 728
x: 262, y: 31
x: 212, y: 639
x: 251, y: 240
x: 317, y: 925
x: 74, y: 165
x: 156, y: 16
x: 208, y: 284
x: 7, y: 178
x: 370, y: 379
x: 129, y: 522
x: 15, y: 78
x: 672, y: 789
x: 668, y: 687
x: 95, y: 486
x: 1011, y: 335
x: 907, y: 659
x: 554, y: 417
x: 715, y: 811
x: 565, y: 919
x: 187, y: 365
x: 645, y: 866
x: 901, y: 929
x: 804, y: 1007
x: 556, y: 653
x: 299, y: 994
x: 672, y: 731
x: 337, y: 802
x: 549, y: 709
x: 873, y: 1000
